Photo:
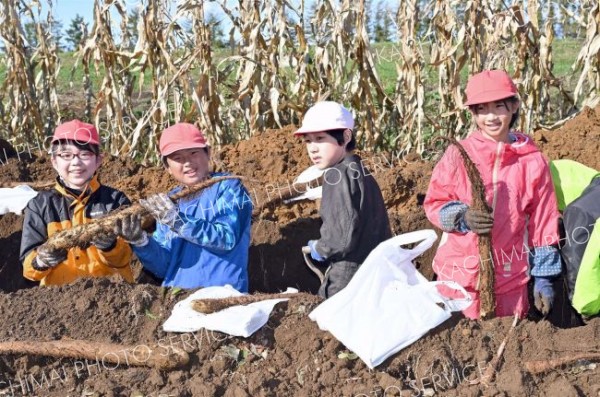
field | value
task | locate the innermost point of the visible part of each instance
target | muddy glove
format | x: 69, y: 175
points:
x: 130, y: 229
x: 48, y: 258
x: 478, y: 221
x: 543, y: 294
x: 105, y: 241
x: 313, y: 251
x: 162, y: 209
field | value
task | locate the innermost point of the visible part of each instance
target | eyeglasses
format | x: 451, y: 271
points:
x: 68, y: 156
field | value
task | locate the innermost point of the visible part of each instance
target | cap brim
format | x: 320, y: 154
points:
x: 489, y: 97
x: 175, y: 148
x: 306, y: 130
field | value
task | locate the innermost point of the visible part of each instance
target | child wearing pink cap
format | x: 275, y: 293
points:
x: 76, y: 198
x: 200, y: 241
x: 524, y: 219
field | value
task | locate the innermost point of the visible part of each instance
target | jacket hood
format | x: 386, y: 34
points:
x: 521, y: 143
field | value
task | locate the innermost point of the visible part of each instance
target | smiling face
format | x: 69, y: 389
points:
x: 493, y: 118
x: 324, y: 151
x: 75, y: 165
x: 189, y: 166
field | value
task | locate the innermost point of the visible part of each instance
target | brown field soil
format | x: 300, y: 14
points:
x: 290, y: 356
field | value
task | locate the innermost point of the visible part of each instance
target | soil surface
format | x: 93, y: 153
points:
x: 289, y: 356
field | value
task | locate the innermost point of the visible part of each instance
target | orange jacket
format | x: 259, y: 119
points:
x: 58, y: 209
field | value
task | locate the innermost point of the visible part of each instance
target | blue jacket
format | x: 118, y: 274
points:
x: 209, y: 244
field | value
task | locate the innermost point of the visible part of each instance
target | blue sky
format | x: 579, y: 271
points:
x: 65, y: 10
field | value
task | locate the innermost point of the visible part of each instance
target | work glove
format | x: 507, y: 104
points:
x: 313, y: 251
x: 162, y: 209
x: 543, y: 294
x: 478, y: 221
x: 130, y: 229
x: 105, y: 241
x: 48, y: 258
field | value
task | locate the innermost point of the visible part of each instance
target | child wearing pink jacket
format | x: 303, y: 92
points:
x: 518, y: 184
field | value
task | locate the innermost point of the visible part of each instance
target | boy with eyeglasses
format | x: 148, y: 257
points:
x: 77, y: 198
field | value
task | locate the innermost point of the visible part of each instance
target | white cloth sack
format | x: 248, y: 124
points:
x: 236, y: 320
x: 388, y: 304
x: 310, y: 174
x: 15, y: 199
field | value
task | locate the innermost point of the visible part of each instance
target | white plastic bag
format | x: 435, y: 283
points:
x: 15, y: 199
x: 236, y: 320
x: 388, y: 304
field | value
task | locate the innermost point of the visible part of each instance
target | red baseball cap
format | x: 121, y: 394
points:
x: 489, y: 86
x: 181, y: 136
x: 78, y: 131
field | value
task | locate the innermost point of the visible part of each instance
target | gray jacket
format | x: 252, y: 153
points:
x: 579, y: 218
x: 354, y: 216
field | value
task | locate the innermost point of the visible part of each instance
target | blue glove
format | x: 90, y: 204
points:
x: 543, y: 294
x: 313, y: 251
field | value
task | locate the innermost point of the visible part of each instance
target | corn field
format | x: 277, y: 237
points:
x: 282, y: 59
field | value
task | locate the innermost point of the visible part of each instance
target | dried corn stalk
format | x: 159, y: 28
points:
x: 410, y: 91
x: 588, y: 59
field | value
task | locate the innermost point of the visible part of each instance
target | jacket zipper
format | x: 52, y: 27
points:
x: 495, y: 174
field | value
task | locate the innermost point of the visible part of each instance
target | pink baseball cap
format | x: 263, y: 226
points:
x: 181, y: 136
x: 325, y: 116
x: 489, y: 86
x: 77, y: 131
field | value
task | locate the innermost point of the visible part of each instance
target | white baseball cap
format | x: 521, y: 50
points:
x: 325, y: 116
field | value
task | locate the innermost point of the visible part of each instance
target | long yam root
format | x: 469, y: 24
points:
x: 208, y: 306
x: 487, y: 308
x: 541, y: 366
x: 140, y: 355
x: 490, y: 371
x: 82, y: 235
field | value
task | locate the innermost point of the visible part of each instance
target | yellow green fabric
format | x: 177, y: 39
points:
x: 586, y: 298
x: 570, y: 179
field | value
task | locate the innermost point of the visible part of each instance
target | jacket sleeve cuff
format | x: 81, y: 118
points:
x: 452, y: 217
x: 545, y: 261
x: 29, y: 272
x: 119, y: 256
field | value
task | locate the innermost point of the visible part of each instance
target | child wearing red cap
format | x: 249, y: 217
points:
x: 524, y: 219
x: 354, y: 216
x: 76, y: 198
x: 200, y: 241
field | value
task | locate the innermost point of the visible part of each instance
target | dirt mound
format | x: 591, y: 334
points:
x: 289, y: 356
x: 578, y: 139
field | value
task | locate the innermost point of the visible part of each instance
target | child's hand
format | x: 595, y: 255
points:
x: 105, y: 242
x: 479, y: 222
x: 313, y: 251
x: 48, y: 258
x: 543, y: 294
x: 130, y: 229
x: 162, y: 208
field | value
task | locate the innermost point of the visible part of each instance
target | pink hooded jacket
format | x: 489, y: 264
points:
x: 519, y: 188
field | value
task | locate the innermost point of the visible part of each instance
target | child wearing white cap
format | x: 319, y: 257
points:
x: 354, y: 216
